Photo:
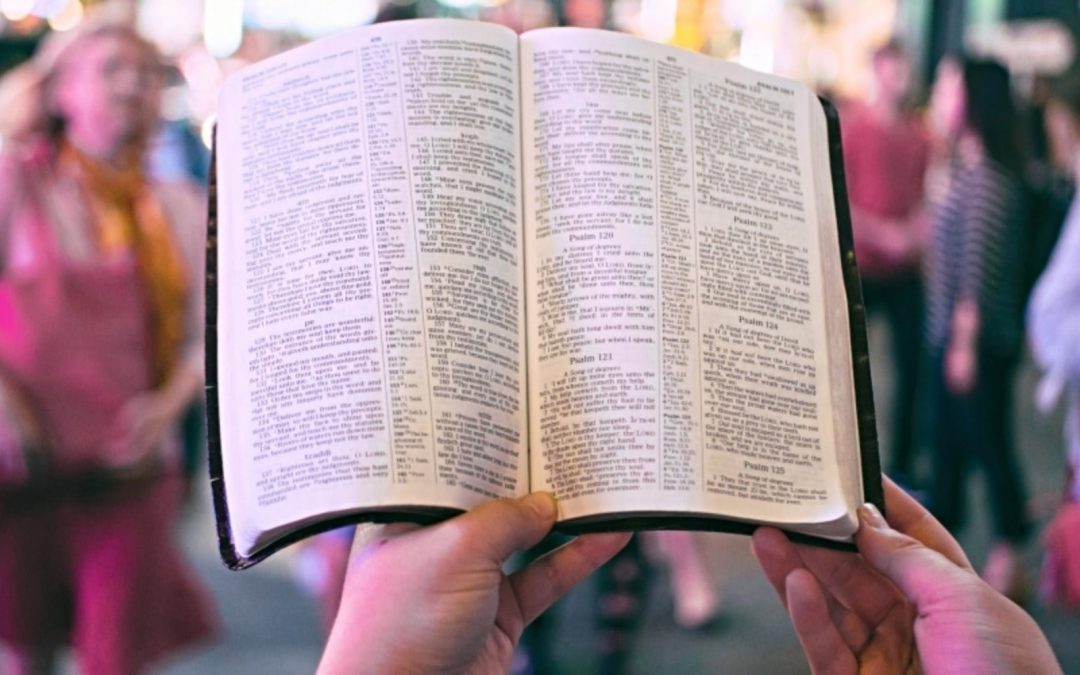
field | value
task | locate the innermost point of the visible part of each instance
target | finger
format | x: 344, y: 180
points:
x: 496, y: 529
x: 854, y: 630
x: 825, y: 648
x: 855, y: 584
x: 892, y: 648
x: 777, y: 558
x: 908, y: 516
x: 539, y: 585
x: 921, y: 573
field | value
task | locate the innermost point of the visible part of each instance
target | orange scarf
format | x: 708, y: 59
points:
x: 127, y: 216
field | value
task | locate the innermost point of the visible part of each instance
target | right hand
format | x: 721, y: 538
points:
x: 908, y: 602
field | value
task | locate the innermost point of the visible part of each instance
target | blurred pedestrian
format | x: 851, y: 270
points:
x: 694, y: 595
x: 975, y: 303
x: 100, y: 354
x: 1054, y: 331
x: 886, y: 154
x: 320, y: 565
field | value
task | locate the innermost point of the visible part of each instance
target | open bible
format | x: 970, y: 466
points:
x: 448, y: 263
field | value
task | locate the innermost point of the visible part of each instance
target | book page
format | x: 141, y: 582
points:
x: 371, y: 286
x: 678, y: 321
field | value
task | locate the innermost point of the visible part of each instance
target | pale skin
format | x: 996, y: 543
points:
x: 910, y: 602
x: 895, y: 239
x: 947, y: 110
x: 108, y: 94
x: 435, y: 600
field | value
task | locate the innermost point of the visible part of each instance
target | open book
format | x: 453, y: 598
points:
x: 448, y: 263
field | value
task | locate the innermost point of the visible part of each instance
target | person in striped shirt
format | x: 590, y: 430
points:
x: 975, y: 302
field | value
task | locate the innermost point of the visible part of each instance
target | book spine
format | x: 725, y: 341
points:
x: 873, y: 490
x: 226, y: 545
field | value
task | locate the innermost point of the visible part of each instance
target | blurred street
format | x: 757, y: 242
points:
x: 271, y: 626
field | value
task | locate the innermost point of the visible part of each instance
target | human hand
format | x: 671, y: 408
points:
x: 961, y: 368
x: 895, y: 242
x: 908, y: 602
x: 141, y: 427
x: 435, y: 599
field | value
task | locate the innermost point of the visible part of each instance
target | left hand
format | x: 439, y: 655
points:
x: 435, y: 600
x: 142, y: 424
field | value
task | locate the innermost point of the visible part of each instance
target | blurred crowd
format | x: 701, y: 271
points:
x: 961, y: 215
x: 967, y: 237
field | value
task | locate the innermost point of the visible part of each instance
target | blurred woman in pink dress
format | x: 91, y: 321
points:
x: 100, y: 353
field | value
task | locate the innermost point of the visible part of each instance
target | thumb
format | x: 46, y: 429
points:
x: 497, y: 529
x: 921, y: 573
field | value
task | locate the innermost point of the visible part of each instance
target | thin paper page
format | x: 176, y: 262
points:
x: 371, y: 278
x: 678, y: 350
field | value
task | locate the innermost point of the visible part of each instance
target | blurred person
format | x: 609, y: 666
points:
x: 585, y: 13
x: 1050, y: 180
x: 319, y: 569
x: 1054, y: 333
x: 886, y: 154
x: 695, y: 598
x: 975, y: 300
x: 436, y: 599
x: 521, y: 15
x: 100, y: 353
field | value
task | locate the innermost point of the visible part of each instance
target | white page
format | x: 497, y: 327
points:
x: 370, y: 286
x: 669, y: 368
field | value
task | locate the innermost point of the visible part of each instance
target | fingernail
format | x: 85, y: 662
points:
x: 543, y: 503
x: 869, y: 514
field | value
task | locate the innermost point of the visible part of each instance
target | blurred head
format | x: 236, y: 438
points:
x: 100, y: 86
x: 990, y: 110
x: 892, y: 74
x: 105, y: 88
x: 973, y: 98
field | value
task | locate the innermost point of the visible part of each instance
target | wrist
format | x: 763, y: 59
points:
x: 357, y: 644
